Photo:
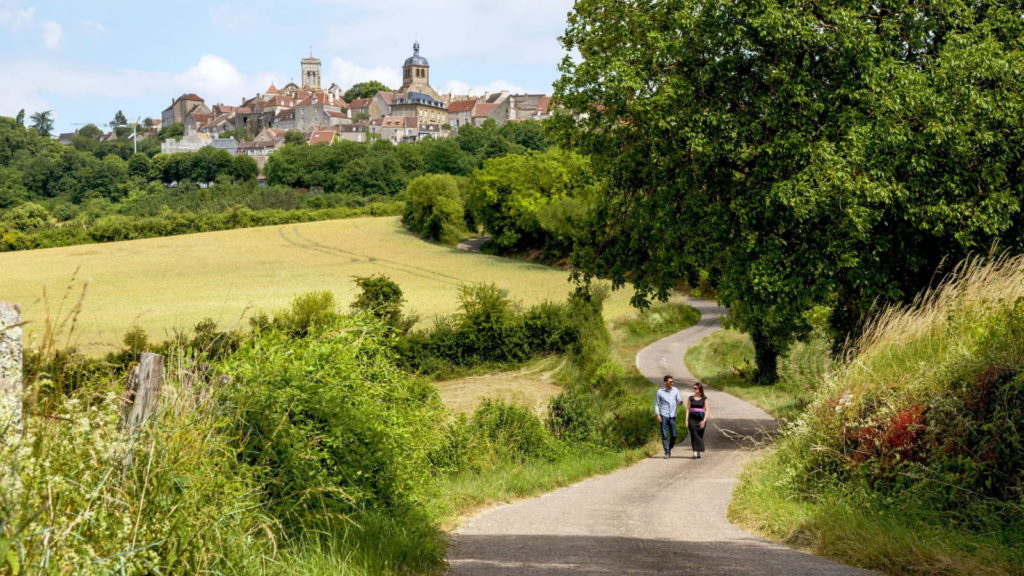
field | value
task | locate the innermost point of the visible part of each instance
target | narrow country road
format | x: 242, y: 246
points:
x: 656, y: 517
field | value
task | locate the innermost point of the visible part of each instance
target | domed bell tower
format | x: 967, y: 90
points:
x: 416, y: 72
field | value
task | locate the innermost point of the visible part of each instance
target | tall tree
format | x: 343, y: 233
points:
x: 119, y: 119
x: 801, y: 154
x: 42, y: 122
x: 20, y: 118
x: 365, y: 90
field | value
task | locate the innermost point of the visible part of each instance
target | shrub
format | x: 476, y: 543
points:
x: 435, y: 208
x: 514, y: 432
x: 307, y: 313
x: 26, y: 217
x: 331, y: 422
x: 382, y: 298
x: 927, y: 403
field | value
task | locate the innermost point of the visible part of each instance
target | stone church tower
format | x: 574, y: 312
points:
x: 311, y: 73
x: 416, y: 74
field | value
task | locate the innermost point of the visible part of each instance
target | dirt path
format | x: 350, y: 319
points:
x: 656, y: 517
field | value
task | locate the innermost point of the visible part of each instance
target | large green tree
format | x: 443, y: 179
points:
x: 365, y: 90
x: 801, y: 153
x: 42, y: 122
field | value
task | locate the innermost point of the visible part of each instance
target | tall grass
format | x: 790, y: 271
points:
x: 185, y: 506
x: 908, y: 461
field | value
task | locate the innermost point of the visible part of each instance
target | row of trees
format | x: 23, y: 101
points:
x: 836, y: 155
x: 386, y: 169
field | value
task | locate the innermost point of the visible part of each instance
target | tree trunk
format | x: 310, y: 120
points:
x: 767, y: 357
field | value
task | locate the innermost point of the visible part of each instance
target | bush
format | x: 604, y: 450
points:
x: 308, y: 312
x: 514, y: 433
x: 382, y: 298
x: 435, y: 208
x: 333, y: 425
x: 26, y: 217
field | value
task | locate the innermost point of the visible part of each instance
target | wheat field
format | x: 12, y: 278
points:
x: 171, y: 283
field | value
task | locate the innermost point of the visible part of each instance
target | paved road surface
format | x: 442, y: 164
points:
x: 656, y: 517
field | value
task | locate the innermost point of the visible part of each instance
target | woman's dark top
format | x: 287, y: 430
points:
x: 697, y: 408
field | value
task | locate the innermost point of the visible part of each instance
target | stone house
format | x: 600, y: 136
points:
x: 181, y: 108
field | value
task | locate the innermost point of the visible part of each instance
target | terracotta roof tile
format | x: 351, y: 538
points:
x: 461, y: 106
x: 321, y: 137
x: 483, y: 110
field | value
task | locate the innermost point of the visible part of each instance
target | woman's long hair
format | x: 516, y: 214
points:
x: 700, y: 387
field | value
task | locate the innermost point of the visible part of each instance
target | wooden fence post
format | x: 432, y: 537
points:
x: 10, y: 366
x: 142, y: 391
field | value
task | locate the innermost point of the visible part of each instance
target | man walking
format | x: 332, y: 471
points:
x: 666, y: 400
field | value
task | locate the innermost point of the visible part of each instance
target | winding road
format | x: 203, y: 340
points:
x: 656, y: 517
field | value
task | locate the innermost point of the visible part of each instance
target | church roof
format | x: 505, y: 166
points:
x: 272, y: 89
x: 416, y: 59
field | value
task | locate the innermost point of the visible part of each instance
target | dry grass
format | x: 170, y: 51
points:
x: 531, y: 386
x: 163, y: 284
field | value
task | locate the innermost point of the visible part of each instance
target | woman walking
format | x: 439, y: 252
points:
x: 697, y: 418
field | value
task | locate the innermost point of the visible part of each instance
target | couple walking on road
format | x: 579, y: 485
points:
x: 666, y: 403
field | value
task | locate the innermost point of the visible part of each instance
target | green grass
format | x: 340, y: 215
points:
x: 828, y: 487
x: 164, y: 284
x: 860, y: 529
x: 468, y: 492
x: 725, y: 360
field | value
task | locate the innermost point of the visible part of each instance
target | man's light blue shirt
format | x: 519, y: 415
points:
x: 666, y: 402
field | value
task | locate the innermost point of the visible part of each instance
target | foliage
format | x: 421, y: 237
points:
x: 336, y: 427
x: 515, y: 432
x: 42, y: 122
x: 175, y: 131
x: 435, y: 208
x: 382, y: 298
x: 829, y: 155
x: 533, y: 200
x: 366, y: 89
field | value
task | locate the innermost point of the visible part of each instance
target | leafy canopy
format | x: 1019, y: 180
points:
x: 800, y: 154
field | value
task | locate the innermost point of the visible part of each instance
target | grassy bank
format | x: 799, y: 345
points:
x: 906, y: 459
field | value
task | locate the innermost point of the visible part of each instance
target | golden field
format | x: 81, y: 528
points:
x: 163, y: 284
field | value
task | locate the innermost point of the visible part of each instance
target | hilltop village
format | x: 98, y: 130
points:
x: 412, y: 112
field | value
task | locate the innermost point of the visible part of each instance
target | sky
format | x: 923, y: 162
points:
x: 86, y: 59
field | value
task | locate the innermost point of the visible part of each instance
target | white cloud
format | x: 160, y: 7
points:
x: 29, y: 83
x: 346, y: 73
x: 459, y: 87
x: 52, y: 33
x: 94, y: 26
x: 493, y: 31
x: 15, y: 20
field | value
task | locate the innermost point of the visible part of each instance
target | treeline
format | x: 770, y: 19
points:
x: 302, y: 439
x: 57, y: 195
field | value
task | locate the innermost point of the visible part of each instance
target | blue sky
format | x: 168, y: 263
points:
x: 87, y: 59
